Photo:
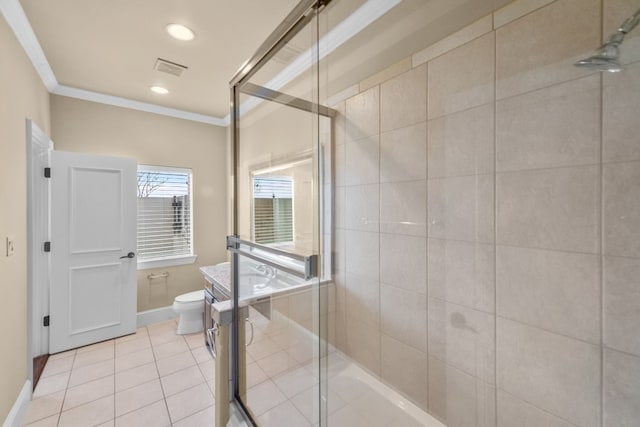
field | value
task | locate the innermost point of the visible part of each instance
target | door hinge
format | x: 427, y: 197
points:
x: 47, y: 246
x: 47, y: 172
x: 45, y: 320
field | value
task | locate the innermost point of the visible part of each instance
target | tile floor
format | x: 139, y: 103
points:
x: 151, y: 378
x: 157, y: 378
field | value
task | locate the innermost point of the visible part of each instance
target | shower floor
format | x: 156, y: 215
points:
x: 282, y: 382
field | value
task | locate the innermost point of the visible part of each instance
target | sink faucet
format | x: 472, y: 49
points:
x: 267, y: 270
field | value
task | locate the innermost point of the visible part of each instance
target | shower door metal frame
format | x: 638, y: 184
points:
x: 294, y: 22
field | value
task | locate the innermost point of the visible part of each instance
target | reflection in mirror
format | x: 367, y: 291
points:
x: 281, y: 203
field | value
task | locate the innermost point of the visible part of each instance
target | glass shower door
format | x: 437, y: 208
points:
x: 281, y: 162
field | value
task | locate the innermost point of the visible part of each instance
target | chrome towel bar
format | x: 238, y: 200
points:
x: 158, y: 276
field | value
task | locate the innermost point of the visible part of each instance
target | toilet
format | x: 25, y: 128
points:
x: 190, y: 307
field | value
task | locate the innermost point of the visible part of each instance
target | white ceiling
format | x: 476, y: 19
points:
x: 110, y: 47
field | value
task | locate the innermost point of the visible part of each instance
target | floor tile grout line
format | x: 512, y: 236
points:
x: 66, y: 389
x: 114, y: 382
x: 164, y: 396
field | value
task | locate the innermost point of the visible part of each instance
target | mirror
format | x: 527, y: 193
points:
x: 281, y: 203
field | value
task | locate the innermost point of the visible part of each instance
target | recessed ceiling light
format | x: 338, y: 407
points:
x: 159, y: 90
x: 180, y: 32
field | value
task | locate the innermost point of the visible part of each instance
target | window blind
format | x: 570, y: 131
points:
x: 164, y: 212
x: 273, y: 209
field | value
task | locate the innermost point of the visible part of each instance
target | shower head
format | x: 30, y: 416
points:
x: 606, y: 58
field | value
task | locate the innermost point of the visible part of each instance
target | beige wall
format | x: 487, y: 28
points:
x: 22, y: 96
x: 488, y: 226
x: 152, y: 139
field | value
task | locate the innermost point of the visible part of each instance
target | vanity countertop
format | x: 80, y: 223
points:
x: 219, y: 276
x: 253, y: 285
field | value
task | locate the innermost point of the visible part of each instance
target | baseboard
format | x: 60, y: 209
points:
x: 19, y: 408
x: 156, y: 315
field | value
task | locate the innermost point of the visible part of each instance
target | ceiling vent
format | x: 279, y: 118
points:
x: 169, y: 67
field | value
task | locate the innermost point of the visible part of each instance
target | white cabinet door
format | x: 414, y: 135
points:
x: 93, y: 216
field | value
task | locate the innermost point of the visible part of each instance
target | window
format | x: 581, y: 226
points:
x: 273, y: 209
x: 165, y: 235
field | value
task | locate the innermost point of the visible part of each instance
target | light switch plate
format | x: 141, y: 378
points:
x: 11, y: 249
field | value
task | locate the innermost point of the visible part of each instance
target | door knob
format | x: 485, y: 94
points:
x: 129, y: 255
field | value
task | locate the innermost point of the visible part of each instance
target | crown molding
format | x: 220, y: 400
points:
x: 19, y: 24
x: 132, y: 104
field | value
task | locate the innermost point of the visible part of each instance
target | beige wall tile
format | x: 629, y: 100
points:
x: 622, y: 304
x: 515, y: 412
x: 339, y: 258
x: 363, y: 254
x: 556, y: 291
x: 620, y: 124
x: 393, y: 70
x: 558, y: 374
x: 516, y: 10
x: 403, y: 100
x: 301, y: 305
x: 363, y: 344
x: 363, y: 207
x: 621, y: 195
x: 549, y: 208
x: 462, y: 208
x: 539, y: 49
x: 363, y: 300
x: 555, y: 126
x: 335, y: 101
x: 462, y: 143
x: 340, y: 124
x: 403, y: 208
x: 621, y: 391
x: 403, y: 262
x: 403, y: 315
x: 462, y: 273
x: 340, y: 207
x: 405, y: 368
x: 452, y: 87
x: 465, y: 35
x: 340, y: 158
x: 459, y: 399
x: 362, y: 165
x: 403, y: 154
x: 464, y: 338
x: 363, y: 115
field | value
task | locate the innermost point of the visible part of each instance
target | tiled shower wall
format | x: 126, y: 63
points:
x: 488, y: 222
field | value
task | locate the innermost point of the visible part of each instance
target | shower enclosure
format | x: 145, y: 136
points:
x: 437, y: 216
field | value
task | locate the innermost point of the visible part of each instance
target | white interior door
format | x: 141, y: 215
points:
x: 93, y: 223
